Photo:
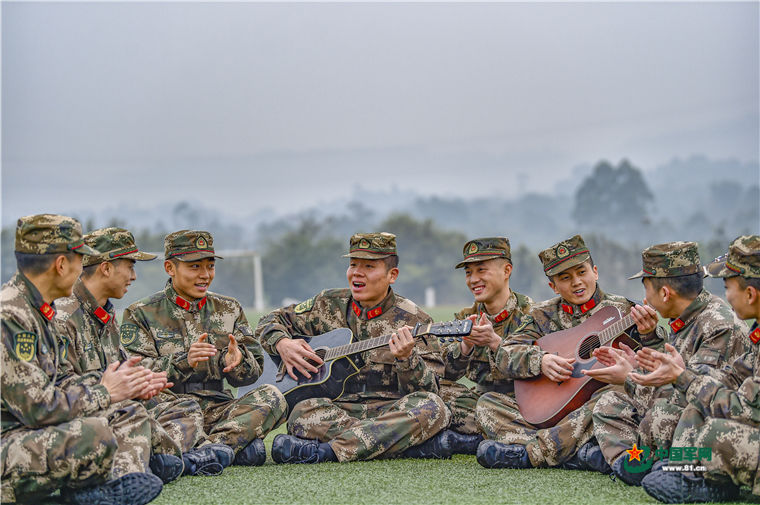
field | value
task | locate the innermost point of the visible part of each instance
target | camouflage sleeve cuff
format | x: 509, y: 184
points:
x: 101, y: 395
x: 181, y: 364
x: 410, y: 363
x: 271, y: 342
x: 685, y: 380
x: 630, y: 387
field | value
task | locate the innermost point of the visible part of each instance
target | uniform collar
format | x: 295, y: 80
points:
x: 577, y: 310
x: 691, y: 312
x: 754, y: 333
x: 372, y: 312
x: 504, y: 313
x: 30, y: 291
x: 86, y: 299
x: 190, y: 306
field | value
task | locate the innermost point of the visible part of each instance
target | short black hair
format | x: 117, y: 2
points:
x: 391, y: 262
x: 749, y: 281
x: 687, y: 286
x: 89, y: 270
x: 36, y: 264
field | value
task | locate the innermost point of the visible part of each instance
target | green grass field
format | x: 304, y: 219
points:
x: 460, y: 480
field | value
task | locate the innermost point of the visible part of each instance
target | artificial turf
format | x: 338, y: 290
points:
x: 460, y: 480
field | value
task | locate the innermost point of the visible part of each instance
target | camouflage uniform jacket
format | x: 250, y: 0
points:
x: 91, y: 338
x: 708, y: 335
x: 382, y: 376
x: 162, y: 327
x: 519, y: 358
x: 480, y: 366
x: 38, y: 387
x: 734, y: 393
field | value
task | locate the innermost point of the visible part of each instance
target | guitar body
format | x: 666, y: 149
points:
x: 544, y: 402
x: 330, y: 381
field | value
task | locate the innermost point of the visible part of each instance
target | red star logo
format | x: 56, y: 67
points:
x: 635, y: 453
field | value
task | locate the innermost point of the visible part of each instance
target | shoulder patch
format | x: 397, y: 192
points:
x: 305, y: 306
x: 128, y: 333
x: 25, y: 345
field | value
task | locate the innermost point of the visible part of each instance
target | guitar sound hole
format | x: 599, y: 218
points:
x: 588, y: 346
x: 321, y: 353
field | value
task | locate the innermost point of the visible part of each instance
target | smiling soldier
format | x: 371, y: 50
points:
x: 496, y: 313
x: 200, y: 338
x: 92, y: 343
x: 515, y: 443
x: 390, y: 407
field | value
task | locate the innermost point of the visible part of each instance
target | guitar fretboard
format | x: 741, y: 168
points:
x: 357, y: 347
x: 612, y: 332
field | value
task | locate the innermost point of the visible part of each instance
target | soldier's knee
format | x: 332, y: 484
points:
x: 302, y: 410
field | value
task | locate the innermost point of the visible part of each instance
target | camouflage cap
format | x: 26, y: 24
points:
x: 672, y: 259
x: 371, y: 246
x: 487, y: 248
x: 743, y: 259
x: 49, y: 234
x: 189, y: 245
x: 113, y: 243
x: 563, y: 255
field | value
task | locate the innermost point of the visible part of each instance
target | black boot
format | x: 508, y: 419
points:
x: 224, y: 453
x: 630, y: 478
x: 462, y: 443
x: 202, y: 461
x: 437, y: 447
x: 166, y: 467
x: 130, y: 489
x: 290, y: 449
x: 676, y: 487
x: 591, y: 458
x: 493, y: 454
x: 253, y: 454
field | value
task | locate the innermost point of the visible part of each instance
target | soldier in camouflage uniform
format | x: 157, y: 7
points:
x: 703, y: 330
x: 496, y: 313
x: 59, y: 429
x: 724, y: 408
x: 391, y: 405
x: 200, y: 338
x: 512, y: 441
x: 91, y: 343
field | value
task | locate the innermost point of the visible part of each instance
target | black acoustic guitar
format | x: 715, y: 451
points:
x: 340, y: 361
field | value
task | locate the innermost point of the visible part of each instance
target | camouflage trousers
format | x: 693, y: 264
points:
x: 237, y: 422
x: 461, y: 402
x: 79, y: 453
x: 646, y: 420
x: 500, y: 419
x: 373, y: 428
x: 735, y: 446
x: 176, y: 423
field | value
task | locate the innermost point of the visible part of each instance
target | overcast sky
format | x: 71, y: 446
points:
x: 244, y: 106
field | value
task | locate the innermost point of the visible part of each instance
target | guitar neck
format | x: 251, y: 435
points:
x: 618, y: 328
x: 357, y: 347
x: 451, y: 328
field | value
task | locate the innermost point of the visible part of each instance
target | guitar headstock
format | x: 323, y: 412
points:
x: 448, y: 330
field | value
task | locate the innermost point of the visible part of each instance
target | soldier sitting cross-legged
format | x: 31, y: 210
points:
x: 61, y: 430
x: 199, y: 339
x: 92, y: 342
x: 702, y: 329
x: 496, y: 313
x: 390, y: 407
x: 512, y: 442
x: 723, y: 413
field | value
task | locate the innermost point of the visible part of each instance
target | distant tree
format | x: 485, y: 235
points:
x: 613, y: 197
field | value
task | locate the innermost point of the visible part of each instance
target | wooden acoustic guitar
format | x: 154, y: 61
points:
x: 341, y: 362
x: 544, y: 402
